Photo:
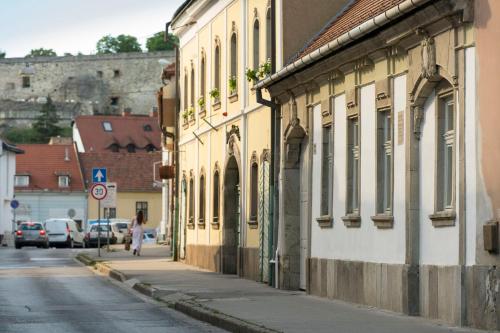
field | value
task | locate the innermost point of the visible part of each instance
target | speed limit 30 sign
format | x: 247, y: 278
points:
x: 98, y: 191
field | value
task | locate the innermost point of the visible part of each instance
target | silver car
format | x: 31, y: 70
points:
x: 31, y: 234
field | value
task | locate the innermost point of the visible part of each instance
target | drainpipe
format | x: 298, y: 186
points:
x: 174, y: 247
x: 275, y: 146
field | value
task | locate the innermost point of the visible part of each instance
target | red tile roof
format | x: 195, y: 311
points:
x: 358, y: 12
x: 43, y: 163
x: 133, y: 172
x: 125, y: 130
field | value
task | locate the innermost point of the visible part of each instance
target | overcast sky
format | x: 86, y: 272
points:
x: 76, y: 25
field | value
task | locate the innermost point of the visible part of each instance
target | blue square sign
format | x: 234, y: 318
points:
x: 99, y: 175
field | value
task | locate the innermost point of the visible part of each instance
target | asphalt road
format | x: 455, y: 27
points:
x: 47, y: 291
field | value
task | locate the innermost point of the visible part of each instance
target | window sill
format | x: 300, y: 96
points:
x: 233, y: 98
x: 352, y: 220
x: 192, y: 121
x: 215, y: 223
x: 190, y: 225
x: 201, y: 224
x: 443, y: 219
x: 252, y: 223
x: 383, y: 221
x: 202, y: 113
x: 325, y: 221
x: 216, y: 105
x: 185, y: 125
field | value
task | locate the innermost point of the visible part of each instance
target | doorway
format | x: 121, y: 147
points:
x: 231, y: 230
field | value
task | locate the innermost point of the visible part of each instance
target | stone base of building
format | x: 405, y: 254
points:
x: 457, y: 295
x: 209, y: 257
x: 204, y: 256
x: 386, y: 286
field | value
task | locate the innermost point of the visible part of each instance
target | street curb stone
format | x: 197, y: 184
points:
x: 221, y: 320
x: 188, y: 307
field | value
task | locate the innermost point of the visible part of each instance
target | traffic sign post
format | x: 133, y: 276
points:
x: 14, y: 204
x: 99, y: 192
x: 99, y: 175
x: 109, y: 202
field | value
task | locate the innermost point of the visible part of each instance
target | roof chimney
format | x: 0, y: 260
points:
x: 154, y: 112
x: 66, y: 154
x: 127, y: 112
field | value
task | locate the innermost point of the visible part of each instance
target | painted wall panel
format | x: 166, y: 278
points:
x: 470, y: 155
x: 438, y: 246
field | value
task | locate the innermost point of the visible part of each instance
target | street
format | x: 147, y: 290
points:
x: 47, y: 291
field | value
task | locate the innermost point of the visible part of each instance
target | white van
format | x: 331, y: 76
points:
x: 64, y: 232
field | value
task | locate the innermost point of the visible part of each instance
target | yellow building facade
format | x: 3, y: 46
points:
x: 225, y: 140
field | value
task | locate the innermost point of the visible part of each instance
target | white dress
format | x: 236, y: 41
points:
x: 137, y: 234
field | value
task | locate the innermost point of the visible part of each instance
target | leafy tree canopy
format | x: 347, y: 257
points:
x: 46, y: 123
x: 21, y: 135
x: 156, y: 43
x: 41, y: 52
x: 2, y: 54
x: 118, y: 44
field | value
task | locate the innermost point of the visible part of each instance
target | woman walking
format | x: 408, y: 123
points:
x: 137, y: 232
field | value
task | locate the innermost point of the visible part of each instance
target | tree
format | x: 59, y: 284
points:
x: 156, y: 43
x: 2, y: 54
x: 118, y: 44
x: 46, y: 123
x: 41, y: 52
x: 21, y: 135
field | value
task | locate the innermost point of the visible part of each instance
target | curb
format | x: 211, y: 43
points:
x: 190, y: 308
x: 218, y: 319
x: 101, y: 267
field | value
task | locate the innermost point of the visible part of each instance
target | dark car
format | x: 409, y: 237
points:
x: 31, y: 234
x: 91, y: 237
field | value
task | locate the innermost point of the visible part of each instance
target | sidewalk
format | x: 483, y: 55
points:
x: 241, y: 305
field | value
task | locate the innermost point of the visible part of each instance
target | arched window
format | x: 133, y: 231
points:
x: 234, y: 63
x: 185, y: 91
x: 150, y: 148
x: 201, y: 215
x: 254, y: 188
x: 131, y: 148
x: 114, y: 147
x: 191, y: 200
x: 216, y: 198
x: 256, y: 43
x: 217, y: 65
x: 192, y: 86
x: 202, y: 75
x: 268, y: 35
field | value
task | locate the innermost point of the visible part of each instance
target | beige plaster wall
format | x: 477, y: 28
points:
x: 487, y: 28
x: 125, y: 206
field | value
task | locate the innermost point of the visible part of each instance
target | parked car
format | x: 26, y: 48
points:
x: 64, y: 232
x: 119, y: 226
x: 148, y: 238
x: 92, y: 235
x: 31, y: 234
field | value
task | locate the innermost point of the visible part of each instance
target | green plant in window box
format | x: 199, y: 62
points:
x: 265, y: 69
x: 233, y: 85
x: 251, y: 75
x: 201, y: 103
x: 215, y: 94
x: 191, y: 113
x: 185, y: 115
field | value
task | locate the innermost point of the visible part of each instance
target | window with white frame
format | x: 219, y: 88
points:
x: 216, y: 197
x: 201, y: 215
x: 384, y: 162
x: 191, y: 200
x: 254, y: 190
x: 192, y: 87
x: 445, y: 153
x: 326, y: 170
x: 353, y: 166
x: 22, y: 180
x: 63, y: 181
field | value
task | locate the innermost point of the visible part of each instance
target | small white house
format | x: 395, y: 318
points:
x: 7, y: 171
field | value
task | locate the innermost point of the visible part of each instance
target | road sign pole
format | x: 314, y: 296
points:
x: 99, y: 228
x: 107, y: 230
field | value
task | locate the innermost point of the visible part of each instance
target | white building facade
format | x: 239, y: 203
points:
x: 7, y: 171
x: 382, y: 196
